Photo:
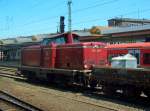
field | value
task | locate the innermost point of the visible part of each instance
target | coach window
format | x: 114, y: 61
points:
x: 146, y: 58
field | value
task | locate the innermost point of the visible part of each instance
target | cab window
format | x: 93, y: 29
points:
x: 46, y: 41
x: 60, y: 40
x: 75, y: 39
x: 56, y: 40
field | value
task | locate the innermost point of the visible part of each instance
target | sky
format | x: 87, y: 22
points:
x: 31, y: 17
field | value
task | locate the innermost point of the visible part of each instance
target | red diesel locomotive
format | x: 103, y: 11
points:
x: 63, y: 59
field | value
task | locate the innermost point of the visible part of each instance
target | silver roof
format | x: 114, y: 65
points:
x: 130, y: 20
x: 8, y: 41
x: 125, y: 29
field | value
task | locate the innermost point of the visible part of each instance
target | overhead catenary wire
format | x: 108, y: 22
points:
x: 98, y: 18
x: 30, y: 23
x: 74, y: 11
x: 45, y: 18
x: 83, y: 9
x: 95, y: 5
x: 38, y: 3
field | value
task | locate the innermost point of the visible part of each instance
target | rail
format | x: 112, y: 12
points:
x: 11, y: 76
x: 17, y: 102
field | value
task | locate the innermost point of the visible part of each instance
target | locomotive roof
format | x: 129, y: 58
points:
x: 56, y: 35
x: 83, y: 44
x: 130, y: 45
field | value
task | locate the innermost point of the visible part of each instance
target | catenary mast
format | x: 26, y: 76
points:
x: 69, y: 16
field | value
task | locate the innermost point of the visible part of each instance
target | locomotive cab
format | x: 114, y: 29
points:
x: 60, y: 39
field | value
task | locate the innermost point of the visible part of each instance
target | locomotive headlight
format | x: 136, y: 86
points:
x: 85, y: 66
x: 95, y: 46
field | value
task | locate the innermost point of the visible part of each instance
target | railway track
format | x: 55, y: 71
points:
x: 88, y: 103
x: 10, y: 69
x: 9, y: 72
x: 73, y: 99
x: 12, y: 100
x: 11, y: 76
x: 62, y: 96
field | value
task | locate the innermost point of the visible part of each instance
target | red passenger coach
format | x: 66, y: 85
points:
x: 140, y: 50
x: 131, y: 81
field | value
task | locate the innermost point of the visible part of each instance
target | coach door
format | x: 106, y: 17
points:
x: 135, y: 53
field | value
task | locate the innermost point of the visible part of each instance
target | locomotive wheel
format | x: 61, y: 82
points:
x: 109, y: 90
x: 131, y: 92
x: 85, y: 83
x: 51, y: 78
x: 137, y: 93
x: 93, y: 84
x: 147, y: 93
x: 31, y: 76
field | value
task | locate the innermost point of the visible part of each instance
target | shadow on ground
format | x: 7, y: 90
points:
x: 140, y: 103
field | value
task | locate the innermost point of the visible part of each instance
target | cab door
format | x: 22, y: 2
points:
x: 48, y: 56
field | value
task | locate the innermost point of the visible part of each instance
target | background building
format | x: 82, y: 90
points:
x: 127, y: 31
x: 11, y: 47
x: 126, y: 22
x: 122, y: 30
x: 127, y: 34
